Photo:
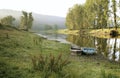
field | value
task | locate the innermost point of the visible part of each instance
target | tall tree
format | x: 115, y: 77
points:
x: 114, y: 12
x: 92, y: 14
x: 119, y: 4
x: 75, y: 17
x: 26, y: 21
x: 30, y: 21
x: 91, y: 8
x: 70, y: 19
x: 103, y: 13
x: 106, y: 12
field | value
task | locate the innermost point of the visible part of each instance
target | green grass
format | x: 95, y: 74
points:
x: 17, y: 48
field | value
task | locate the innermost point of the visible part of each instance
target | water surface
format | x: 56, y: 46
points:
x: 108, y: 47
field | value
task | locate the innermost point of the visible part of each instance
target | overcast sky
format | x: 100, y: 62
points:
x: 47, y: 7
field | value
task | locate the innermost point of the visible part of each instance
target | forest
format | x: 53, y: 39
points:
x: 95, y: 14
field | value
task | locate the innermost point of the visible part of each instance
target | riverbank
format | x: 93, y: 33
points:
x: 101, y: 33
x: 66, y: 31
x: 73, y: 32
x: 18, y: 47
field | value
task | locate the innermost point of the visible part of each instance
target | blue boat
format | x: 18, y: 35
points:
x: 82, y: 50
x: 88, y: 50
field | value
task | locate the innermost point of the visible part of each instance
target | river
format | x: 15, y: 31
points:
x: 108, y: 47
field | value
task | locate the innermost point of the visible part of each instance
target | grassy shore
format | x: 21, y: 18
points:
x: 101, y: 33
x: 66, y: 31
x: 17, y: 48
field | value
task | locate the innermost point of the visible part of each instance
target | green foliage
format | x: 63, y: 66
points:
x: 8, y: 20
x: 30, y: 21
x: 114, y: 8
x: 75, y: 17
x: 92, y: 14
x: 102, y: 13
x: 26, y: 21
x: 49, y: 65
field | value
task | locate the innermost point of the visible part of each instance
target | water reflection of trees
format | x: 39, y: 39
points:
x: 81, y: 40
x: 101, y: 45
x: 110, y: 48
x: 114, y: 49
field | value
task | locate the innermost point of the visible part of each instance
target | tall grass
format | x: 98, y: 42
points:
x: 9, y: 71
x: 109, y: 75
x: 38, y: 41
x: 50, y: 65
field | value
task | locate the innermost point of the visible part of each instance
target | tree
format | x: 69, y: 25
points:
x: 8, y: 20
x: 26, y: 21
x: 119, y: 4
x: 30, y: 21
x: 114, y: 12
x: 103, y: 13
x: 92, y: 14
x: 75, y: 17
x: 70, y: 19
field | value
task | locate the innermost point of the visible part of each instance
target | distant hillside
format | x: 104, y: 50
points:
x: 39, y: 20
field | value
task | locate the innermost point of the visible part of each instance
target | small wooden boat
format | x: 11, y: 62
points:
x: 75, y: 51
x: 88, y: 50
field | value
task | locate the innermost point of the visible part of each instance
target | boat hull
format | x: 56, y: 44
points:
x: 87, y: 50
x: 82, y: 50
x: 75, y: 51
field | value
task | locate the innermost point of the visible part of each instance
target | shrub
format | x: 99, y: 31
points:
x: 113, y: 33
x: 49, y: 65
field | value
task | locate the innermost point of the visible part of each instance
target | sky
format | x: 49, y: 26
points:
x: 46, y: 7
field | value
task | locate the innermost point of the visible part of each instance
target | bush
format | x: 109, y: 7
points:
x: 50, y: 65
x: 113, y: 33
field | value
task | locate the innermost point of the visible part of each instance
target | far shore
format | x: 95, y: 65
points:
x: 67, y: 31
x: 102, y: 33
